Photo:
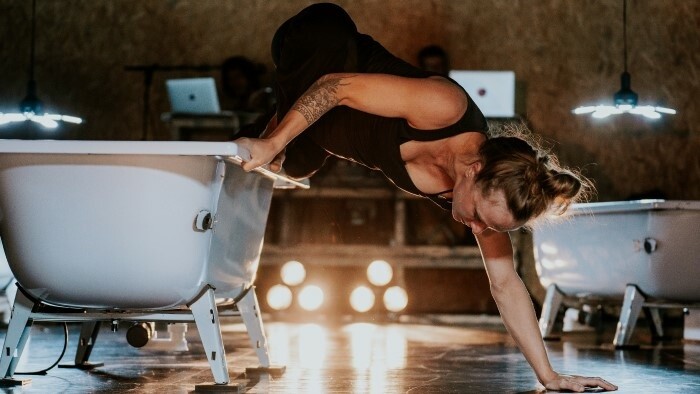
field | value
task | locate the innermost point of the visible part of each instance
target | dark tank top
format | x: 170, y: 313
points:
x: 375, y: 141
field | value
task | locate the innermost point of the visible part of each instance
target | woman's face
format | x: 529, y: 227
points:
x: 478, y: 210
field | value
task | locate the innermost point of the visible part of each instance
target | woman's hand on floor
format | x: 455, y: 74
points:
x: 577, y: 383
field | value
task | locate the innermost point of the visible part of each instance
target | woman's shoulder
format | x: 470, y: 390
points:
x: 471, y: 141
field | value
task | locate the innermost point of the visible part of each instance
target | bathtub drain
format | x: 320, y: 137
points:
x: 203, y: 221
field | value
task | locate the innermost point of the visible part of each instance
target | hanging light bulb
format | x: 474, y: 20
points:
x: 625, y: 100
x: 31, y: 108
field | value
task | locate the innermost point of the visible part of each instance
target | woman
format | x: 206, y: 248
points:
x: 340, y: 92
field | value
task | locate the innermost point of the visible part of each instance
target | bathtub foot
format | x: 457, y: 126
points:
x: 657, y: 330
x: 17, y: 334
x: 550, y: 310
x: 631, y: 306
x: 272, y: 370
x: 175, y: 341
x: 250, y: 312
x: 8, y: 382
x: 88, y: 336
x: 220, y: 388
x: 206, y: 317
x: 86, y: 366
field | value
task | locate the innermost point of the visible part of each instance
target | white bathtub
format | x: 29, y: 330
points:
x: 638, y: 251
x: 138, y: 231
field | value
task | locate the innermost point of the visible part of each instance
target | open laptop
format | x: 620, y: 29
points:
x: 193, y: 96
x: 492, y: 91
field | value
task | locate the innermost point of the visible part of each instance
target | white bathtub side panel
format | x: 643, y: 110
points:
x: 674, y: 267
x: 588, y: 254
x: 600, y: 254
x: 239, y: 230
x: 106, y: 230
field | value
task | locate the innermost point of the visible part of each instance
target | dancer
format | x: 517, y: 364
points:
x: 339, y: 92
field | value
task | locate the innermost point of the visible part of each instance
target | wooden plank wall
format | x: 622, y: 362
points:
x: 564, y: 53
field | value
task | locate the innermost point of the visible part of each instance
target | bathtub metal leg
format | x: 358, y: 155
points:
x: 250, y: 312
x: 16, y: 338
x: 550, y: 310
x: 206, y: 317
x: 88, y: 336
x: 631, y: 306
x: 652, y: 314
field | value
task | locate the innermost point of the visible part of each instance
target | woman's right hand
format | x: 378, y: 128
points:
x: 576, y: 383
x: 262, y: 152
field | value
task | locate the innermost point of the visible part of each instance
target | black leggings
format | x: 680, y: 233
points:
x: 311, y: 44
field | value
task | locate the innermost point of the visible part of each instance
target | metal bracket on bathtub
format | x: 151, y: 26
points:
x: 649, y: 245
x: 269, y: 174
x: 204, y: 221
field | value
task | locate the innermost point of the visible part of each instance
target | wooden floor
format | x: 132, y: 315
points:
x: 416, y: 356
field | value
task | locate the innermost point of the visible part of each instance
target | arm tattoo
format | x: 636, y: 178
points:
x: 319, y: 98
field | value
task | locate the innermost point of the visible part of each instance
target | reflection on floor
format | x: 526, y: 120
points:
x: 360, y: 358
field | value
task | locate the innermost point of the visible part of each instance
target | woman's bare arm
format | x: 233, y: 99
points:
x: 426, y: 103
x: 518, y: 314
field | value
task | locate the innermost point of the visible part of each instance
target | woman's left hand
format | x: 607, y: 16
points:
x: 262, y: 151
x: 576, y: 383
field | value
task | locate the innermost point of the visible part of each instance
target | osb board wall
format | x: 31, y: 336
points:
x: 564, y: 53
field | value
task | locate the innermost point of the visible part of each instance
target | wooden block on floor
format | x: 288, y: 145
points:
x: 274, y: 370
x: 231, y: 387
x: 11, y: 382
x: 84, y: 366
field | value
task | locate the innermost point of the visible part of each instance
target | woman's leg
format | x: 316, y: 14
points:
x: 318, y: 40
x: 315, y: 42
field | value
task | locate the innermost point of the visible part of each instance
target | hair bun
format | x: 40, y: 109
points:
x: 561, y: 187
x: 532, y: 181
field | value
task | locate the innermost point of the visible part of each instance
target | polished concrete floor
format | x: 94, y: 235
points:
x: 413, y: 356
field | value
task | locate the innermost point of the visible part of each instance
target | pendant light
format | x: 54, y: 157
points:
x: 31, y: 108
x: 625, y: 100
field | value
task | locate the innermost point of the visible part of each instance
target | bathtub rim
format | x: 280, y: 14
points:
x: 229, y: 151
x: 180, y: 148
x: 632, y: 206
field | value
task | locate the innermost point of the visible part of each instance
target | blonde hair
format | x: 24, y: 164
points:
x: 531, y: 179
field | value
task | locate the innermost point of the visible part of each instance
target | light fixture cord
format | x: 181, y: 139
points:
x: 624, y: 30
x: 31, y: 56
